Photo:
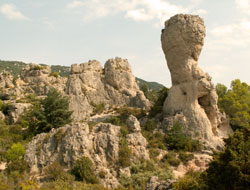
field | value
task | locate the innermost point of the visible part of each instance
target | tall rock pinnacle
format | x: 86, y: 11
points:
x: 192, y: 95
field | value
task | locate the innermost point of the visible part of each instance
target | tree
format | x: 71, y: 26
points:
x: 50, y: 112
x: 236, y: 103
x: 230, y: 170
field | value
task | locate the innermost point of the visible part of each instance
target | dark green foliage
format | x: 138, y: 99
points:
x: 185, y: 157
x: 158, y: 105
x: 149, y: 125
x: 50, y: 112
x: 176, y: 139
x: 171, y: 158
x: 230, y: 170
x: 125, y: 152
x: 83, y: 170
x: 236, y: 103
x: 191, y: 181
x: 155, y: 139
x: 56, y: 172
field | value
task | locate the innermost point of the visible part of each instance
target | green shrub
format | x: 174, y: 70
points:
x: 141, y: 171
x: 158, y: 105
x: 125, y: 153
x: 153, y: 153
x: 98, y: 108
x: 172, y: 159
x: 185, y: 157
x: 191, y: 181
x: 83, y: 170
x: 56, y: 172
x: 230, y: 169
x: 176, y: 139
x: 149, y: 125
x: 155, y: 139
x: 15, y: 158
x: 55, y: 74
x: 38, y: 67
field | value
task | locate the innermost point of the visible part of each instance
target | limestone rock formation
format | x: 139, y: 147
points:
x: 67, y: 144
x: 192, y: 94
x: 90, y: 84
x: 39, y: 79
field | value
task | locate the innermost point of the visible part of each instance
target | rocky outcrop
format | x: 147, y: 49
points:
x: 39, y: 80
x: 67, y: 144
x: 192, y: 95
x: 114, y: 84
x: 15, y: 110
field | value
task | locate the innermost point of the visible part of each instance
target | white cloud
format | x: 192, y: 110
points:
x: 200, y: 12
x: 243, y: 6
x: 156, y: 11
x: 228, y: 36
x: 10, y: 11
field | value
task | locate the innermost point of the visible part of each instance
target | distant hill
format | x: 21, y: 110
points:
x: 15, y: 68
x: 151, y: 85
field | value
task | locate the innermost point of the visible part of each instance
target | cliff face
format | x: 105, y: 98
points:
x: 192, y: 99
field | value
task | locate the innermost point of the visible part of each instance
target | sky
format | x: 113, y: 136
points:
x: 63, y: 32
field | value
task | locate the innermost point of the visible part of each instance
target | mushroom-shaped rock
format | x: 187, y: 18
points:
x: 192, y: 92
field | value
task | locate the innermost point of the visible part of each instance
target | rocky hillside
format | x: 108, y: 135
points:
x: 96, y: 129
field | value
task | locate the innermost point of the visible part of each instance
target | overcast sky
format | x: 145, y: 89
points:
x: 62, y: 32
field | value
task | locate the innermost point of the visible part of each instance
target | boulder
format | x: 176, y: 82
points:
x: 192, y: 94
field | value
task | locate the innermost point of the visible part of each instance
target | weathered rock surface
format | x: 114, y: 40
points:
x: 15, y: 110
x: 115, y: 85
x: 192, y: 94
x: 66, y: 144
x: 39, y: 79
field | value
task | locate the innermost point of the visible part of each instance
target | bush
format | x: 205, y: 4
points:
x: 98, y: 108
x: 231, y: 169
x: 55, y: 74
x: 176, y: 139
x: 141, y: 171
x: 191, y: 181
x: 83, y: 170
x: 185, y: 157
x: 125, y: 153
x: 149, y: 125
x: 172, y: 159
x: 158, y: 105
x: 56, y: 172
x: 15, y: 158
